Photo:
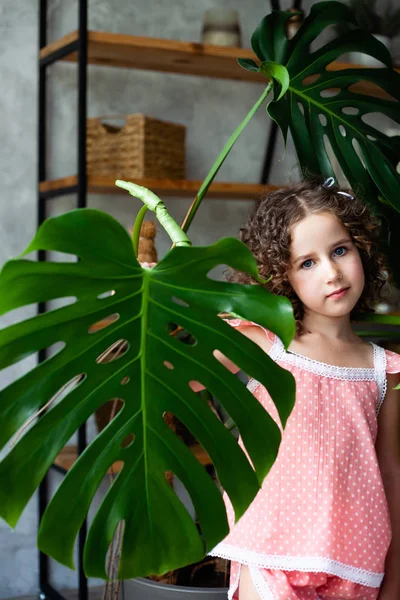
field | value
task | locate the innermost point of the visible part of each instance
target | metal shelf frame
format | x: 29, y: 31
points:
x: 46, y: 590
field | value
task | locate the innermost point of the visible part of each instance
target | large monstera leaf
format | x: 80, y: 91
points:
x: 321, y: 103
x: 151, y: 376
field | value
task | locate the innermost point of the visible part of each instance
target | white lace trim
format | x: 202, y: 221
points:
x: 234, y: 586
x: 276, y: 349
x: 377, y: 373
x: 324, y: 369
x: 252, y: 385
x: 274, y: 353
x: 262, y: 587
x: 312, y: 564
x: 380, y: 374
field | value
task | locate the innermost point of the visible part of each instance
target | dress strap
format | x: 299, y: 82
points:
x: 277, y: 349
x: 275, y: 352
x: 380, y: 374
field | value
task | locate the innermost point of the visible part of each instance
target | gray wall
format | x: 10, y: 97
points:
x: 209, y: 108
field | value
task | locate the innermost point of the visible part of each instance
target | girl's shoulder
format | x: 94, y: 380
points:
x: 392, y: 361
x: 258, y: 334
x: 265, y: 338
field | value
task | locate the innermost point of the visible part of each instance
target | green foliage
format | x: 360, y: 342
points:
x: 159, y: 534
x: 316, y: 104
x: 322, y: 108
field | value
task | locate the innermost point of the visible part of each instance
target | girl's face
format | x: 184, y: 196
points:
x: 326, y: 270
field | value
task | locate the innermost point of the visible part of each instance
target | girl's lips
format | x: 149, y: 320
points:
x: 339, y: 293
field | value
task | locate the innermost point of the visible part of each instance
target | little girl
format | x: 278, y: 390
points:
x: 326, y: 523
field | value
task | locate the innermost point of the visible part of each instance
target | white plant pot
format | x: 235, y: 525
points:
x: 358, y: 58
x: 144, y: 589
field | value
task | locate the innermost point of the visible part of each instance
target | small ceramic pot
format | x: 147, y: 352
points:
x: 221, y: 27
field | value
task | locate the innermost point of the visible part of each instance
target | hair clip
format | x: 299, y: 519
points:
x: 346, y: 194
x: 330, y: 182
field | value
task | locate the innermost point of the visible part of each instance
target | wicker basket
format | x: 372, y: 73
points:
x: 143, y: 147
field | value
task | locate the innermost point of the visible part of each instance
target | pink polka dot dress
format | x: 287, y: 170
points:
x: 319, y: 528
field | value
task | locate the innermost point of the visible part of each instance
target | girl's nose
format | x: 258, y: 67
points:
x: 332, y: 272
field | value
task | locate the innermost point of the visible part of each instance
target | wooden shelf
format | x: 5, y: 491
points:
x: 69, y: 454
x: 186, y: 58
x: 362, y: 87
x: 163, y: 187
x: 154, y: 54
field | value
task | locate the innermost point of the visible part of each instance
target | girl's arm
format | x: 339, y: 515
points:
x: 228, y: 364
x: 255, y: 334
x: 388, y: 452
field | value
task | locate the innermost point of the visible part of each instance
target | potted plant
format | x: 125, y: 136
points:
x: 152, y: 371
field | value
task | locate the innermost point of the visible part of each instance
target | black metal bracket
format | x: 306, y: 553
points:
x: 63, y: 191
x: 46, y: 590
x: 59, y: 54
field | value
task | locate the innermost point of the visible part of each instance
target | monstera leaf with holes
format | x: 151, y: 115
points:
x: 151, y: 375
x: 323, y: 107
x: 322, y: 103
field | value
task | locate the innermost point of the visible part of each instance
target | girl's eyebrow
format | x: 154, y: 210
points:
x: 304, y: 256
x: 342, y: 241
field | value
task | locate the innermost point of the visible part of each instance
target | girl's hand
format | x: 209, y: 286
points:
x: 147, y: 265
x: 389, y: 592
x: 388, y: 595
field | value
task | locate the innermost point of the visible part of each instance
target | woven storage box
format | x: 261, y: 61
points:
x: 143, y: 147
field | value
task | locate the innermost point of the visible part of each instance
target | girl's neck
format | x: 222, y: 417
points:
x: 328, y: 328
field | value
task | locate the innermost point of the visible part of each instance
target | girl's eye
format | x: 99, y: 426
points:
x: 307, y: 264
x: 340, y: 251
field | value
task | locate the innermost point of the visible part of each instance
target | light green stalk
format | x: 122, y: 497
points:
x: 155, y: 204
x: 136, y: 229
x: 221, y: 158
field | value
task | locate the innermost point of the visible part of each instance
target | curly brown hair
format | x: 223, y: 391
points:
x: 267, y: 234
